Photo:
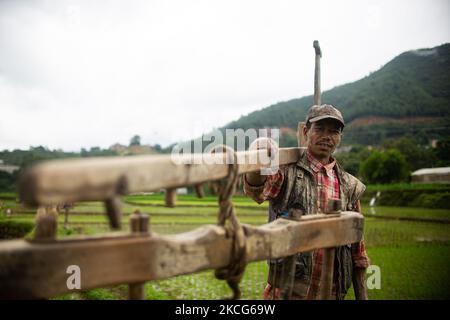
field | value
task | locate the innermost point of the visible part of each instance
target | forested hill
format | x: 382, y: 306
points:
x: 408, y: 95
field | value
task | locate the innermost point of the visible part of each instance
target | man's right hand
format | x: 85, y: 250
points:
x: 256, y: 178
x: 268, y: 294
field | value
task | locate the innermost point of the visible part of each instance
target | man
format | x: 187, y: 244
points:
x: 306, y: 186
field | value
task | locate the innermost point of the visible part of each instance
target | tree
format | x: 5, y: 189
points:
x: 384, y: 167
x: 442, y: 152
x: 395, y: 166
x: 352, y: 160
x: 157, y: 147
x: 135, y: 141
x: 6, y: 181
x: 416, y: 156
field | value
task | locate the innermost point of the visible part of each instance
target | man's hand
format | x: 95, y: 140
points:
x: 267, y: 293
x: 359, y: 284
x: 256, y: 178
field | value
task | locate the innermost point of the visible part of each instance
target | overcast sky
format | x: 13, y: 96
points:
x: 79, y: 74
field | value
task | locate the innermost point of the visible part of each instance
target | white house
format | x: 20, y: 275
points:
x: 8, y: 167
x: 431, y: 175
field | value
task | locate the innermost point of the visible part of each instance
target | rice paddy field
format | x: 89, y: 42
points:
x: 413, y: 256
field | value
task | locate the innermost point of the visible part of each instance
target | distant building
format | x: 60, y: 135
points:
x: 182, y: 191
x: 434, y: 143
x: 8, y: 167
x: 119, y: 148
x: 344, y: 149
x: 141, y: 193
x: 132, y: 150
x: 431, y: 175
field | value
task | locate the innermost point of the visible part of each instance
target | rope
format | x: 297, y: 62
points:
x: 227, y: 218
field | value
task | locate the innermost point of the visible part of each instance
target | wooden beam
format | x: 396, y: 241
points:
x: 38, y: 270
x: 199, y: 190
x: 60, y: 181
x: 317, y: 91
x: 46, y: 223
x: 327, y: 277
x: 138, y: 223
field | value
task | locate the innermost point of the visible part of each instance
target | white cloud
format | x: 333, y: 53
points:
x: 80, y: 74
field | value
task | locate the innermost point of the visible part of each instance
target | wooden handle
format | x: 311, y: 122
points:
x: 317, y: 73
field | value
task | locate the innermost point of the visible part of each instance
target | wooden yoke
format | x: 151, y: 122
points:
x: 106, y: 178
x: 38, y: 269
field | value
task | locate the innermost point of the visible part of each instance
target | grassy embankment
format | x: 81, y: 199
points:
x: 413, y: 256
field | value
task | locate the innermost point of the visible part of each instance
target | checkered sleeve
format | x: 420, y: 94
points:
x: 268, y: 190
x: 359, y: 254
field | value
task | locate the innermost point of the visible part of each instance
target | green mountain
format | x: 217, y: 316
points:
x: 410, y: 95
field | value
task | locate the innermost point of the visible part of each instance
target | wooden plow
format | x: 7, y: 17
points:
x: 37, y: 268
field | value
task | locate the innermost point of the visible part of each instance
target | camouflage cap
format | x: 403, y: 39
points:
x: 324, y: 111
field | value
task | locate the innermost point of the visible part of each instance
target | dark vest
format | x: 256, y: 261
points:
x: 299, y: 191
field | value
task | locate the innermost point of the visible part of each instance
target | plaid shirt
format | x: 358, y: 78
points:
x: 327, y: 188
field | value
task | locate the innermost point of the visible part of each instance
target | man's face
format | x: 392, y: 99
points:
x: 323, y: 137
